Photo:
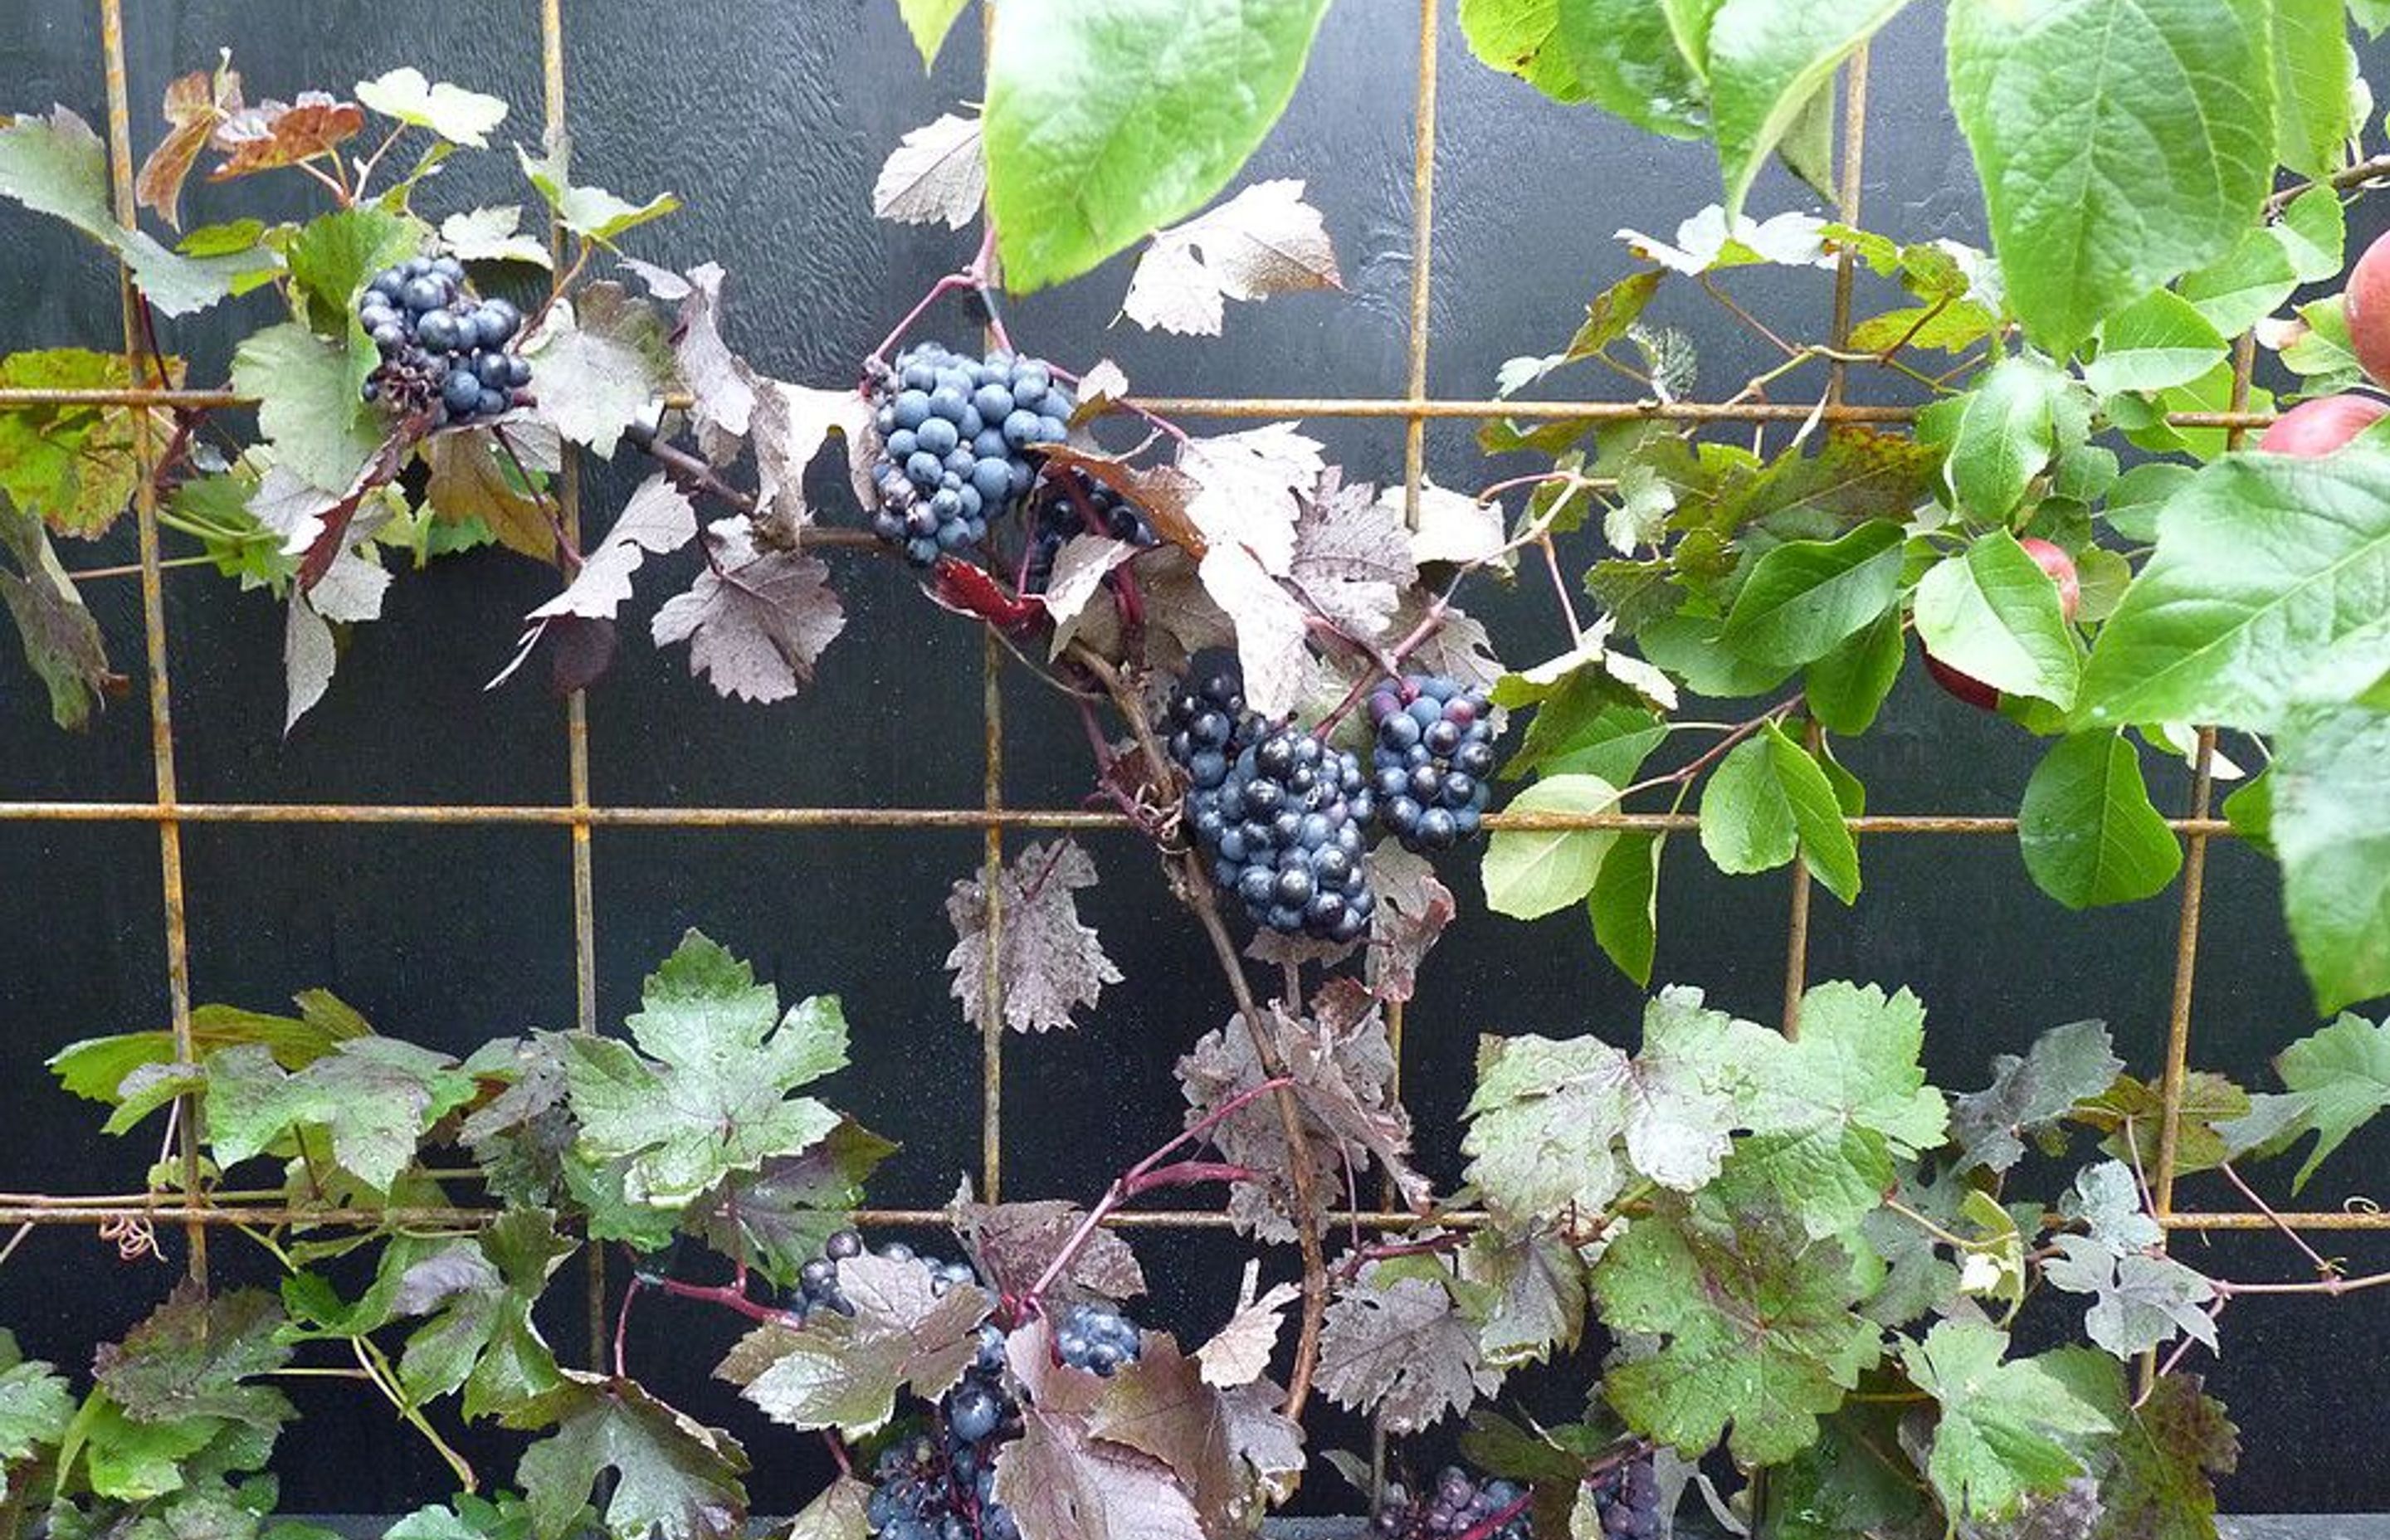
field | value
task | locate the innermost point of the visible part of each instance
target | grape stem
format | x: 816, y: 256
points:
x: 1150, y: 1174
x: 725, y: 1295
x: 1492, y: 1521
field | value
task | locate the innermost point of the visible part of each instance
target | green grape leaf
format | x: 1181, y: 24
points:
x: 2121, y: 143
x: 1768, y: 799
x: 308, y: 403
x: 2344, y: 1071
x: 95, y: 1067
x: 1543, y: 1125
x: 1805, y: 596
x: 57, y: 166
x: 1107, y: 120
x: 673, y: 1478
x: 2139, y: 1302
x: 35, y: 1404
x: 2028, y: 1096
x: 1759, y: 1321
x: 334, y: 256
x: 2158, y: 341
x: 2089, y: 835
x: 1626, y: 56
x: 459, y: 116
x: 193, y: 1358
x: 1525, y: 1294
x: 2209, y: 1103
x: 74, y: 467
x: 592, y: 214
x: 929, y: 22
x: 2329, y: 824
x: 1768, y: 61
x: 1992, y: 613
x: 2259, y: 597
x: 706, y: 1091
x: 2316, y: 111
x: 1529, y: 873
x: 376, y: 1095
x: 2003, y: 1423
x: 845, y: 1371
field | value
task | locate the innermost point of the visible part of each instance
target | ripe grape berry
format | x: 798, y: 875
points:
x: 1071, y: 503
x: 1433, y: 755
x: 1095, y: 1337
x: 959, y: 439
x: 1457, y: 1504
x: 817, y: 1286
x: 1629, y: 1500
x: 444, y: 350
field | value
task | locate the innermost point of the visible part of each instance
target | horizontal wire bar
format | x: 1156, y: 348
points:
x: 1273, y: 406
x: 2327, y: 1219
x: 96, y: 1213
x: 886, y: 817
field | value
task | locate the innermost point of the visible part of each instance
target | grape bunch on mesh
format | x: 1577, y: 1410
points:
x: 1458, y: 1504
x: 444, y: 349
x: 1278, y: 814
x: 1069, y: 503
x: 960, y: 438
x: 1431, y: 761
x: 1627, y: 1498
x: 941, y: 1486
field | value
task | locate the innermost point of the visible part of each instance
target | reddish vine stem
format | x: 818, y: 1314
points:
x: 1493, y: 1521
x: 2322, y: 1268
x: 1385, y: 1250
x: 1687, y: 773
x: 730, y: 1299
x: 1195, y: 890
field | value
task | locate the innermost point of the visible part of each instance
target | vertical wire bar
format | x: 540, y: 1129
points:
x: 576, y: 705
x: 153, y: 625
x: 1423, y: 125
x: 1846, y: 202
x: 991, y: 1136
x: 2194, y: 883
x: 990, y: 1064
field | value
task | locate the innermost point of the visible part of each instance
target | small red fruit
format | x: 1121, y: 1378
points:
x: 2367, y: 302
x: 2051, y: 560
x: 2314, y: 428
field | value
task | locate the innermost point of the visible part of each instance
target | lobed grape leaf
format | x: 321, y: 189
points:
x: 2167, y: 1444
x: 459, y: 116
x: 674, y: 1476
x: 1013, y: 1243
x: 2343, y: 1072
x: 1524, y: 1293
x: 2140, y: 1302
x: 705, y: 1087
x: 75, y: 468
x: 657, y: 519
x: 493, y: 234
x: 592, y: 214
x: 1394, y: 1344
x: 757, y: 625
x: 474, y: 477
x: 842, y: 1511
x: 349, y: 593
x: 193, y: 1358
x: 1063, y: 1482
x: 1266, y: 240
x: 2028, y: 1096
x: 375, y: 1096
x: 1757, y: 1316
x: 273, y: 135
x: 2003, y: 1422
x: 195, y: 104
x: 1026, y: 946
x: 601, y: 360
x: 843, y: 1372
x: 935, y: 176
x: 779, y: 1217
x: 1164, y: 1405
x: 35, y: 1404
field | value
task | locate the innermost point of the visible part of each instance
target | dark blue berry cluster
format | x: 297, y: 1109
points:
x: 1433, y: 756
x: 958, y: 440
x: 1095, y: 1337
x: 442, y: 350
x: 1629, y: 1500
x: 1072, y: 503
x: 1457, y: 1504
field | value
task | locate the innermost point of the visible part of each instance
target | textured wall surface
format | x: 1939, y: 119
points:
x: 770, y: 121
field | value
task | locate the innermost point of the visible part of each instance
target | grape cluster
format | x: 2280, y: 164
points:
x: 1455, y: 1505
x: 1629, y: 1500
x: 442, y: 350
x: 817, y: 1286
x: 1095, y: 1337
x: 1434, y: 750
x: 1074, y: 503
x: 958, y: 440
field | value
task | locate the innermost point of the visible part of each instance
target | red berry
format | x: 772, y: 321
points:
x: 2368, y: 305
x: 2316, y: 427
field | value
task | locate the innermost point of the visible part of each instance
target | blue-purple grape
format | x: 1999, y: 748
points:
x: 960, y: 440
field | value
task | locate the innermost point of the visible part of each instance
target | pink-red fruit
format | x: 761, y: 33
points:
x: 2051, y: 560
x: 2315, y: 428
x: 2367, y: 301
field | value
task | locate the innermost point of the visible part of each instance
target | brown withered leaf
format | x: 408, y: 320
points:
x: 1162, y: 1405
x: 1239, y: 1352
x: 1266, y: 240
x: 1352, y: 554
x: 1397, y: 1345
x: 471, y: 480
x: 195, y: 104
x: 1061, y: 1481
x: 1014, y: 1243
x: 756, y: 623
x: 272, y: 134
x: 935, y: 176
x: 1047, y: 964
x: 1413, y: 909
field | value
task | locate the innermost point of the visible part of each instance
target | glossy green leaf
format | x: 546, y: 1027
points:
x: 1847, y: 687
x: 1108, y: 119
x: 1767, y: 59
x: 1530, y: 873
x: 2003, y: 433
x: 1768, y: 799
x: 2159, y: 339
x: 2329, y: 822
x: 1625, y: 903
x: 1994, y: 613
x: 2244, y: 286
x: 2120, y: 143
x: 2089, y: 834
x: 1805, y: 596
x: 2315, y: 77
x: 1626, y: 56
x: 2265, y: 592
